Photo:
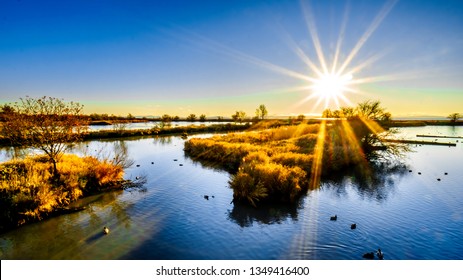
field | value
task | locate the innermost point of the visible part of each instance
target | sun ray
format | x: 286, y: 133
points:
x: 372, y: 125
x: 374, y: 25
x: 353, y: 142
x: 299, y: 52
x: 309, y: 19
x: 316, y: 171
x: 213, y: 46
x: 340, y: 38
x: 390, y: 77
x: 369, y: 61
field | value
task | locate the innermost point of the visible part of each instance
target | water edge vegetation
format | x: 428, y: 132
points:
x: 280, y: 164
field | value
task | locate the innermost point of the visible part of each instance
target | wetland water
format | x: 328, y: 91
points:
x: 407, y: 215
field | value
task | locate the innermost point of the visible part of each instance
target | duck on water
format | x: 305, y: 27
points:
x: 371, y: 255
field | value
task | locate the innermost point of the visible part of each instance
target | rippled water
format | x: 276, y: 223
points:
x: 407, y: 215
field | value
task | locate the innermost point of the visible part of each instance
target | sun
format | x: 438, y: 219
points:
x: 332, y: 86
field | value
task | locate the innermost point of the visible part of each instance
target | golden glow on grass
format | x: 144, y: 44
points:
x: 283, y: 163
x: 316, y: 171
x: 29, y: 191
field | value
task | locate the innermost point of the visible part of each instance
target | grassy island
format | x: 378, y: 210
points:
x: 30, y: 192
x: 280, y: 164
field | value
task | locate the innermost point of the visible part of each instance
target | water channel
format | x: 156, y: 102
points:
x: 406, y: 214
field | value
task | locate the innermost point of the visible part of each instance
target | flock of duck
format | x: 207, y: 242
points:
x: 438, y: 179
x: 369, y: 255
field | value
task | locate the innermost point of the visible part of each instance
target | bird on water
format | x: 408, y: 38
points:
x: 369, y: 256
x: 380, y: 254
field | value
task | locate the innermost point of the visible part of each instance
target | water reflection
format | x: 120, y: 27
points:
x: 162, y: 140
x: 8, y: 153
x: 376, y: 182
x: 78, y: 235
x: 246, y: 216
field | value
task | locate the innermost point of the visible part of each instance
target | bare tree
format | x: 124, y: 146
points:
x: 45, y: 123
x: 239, y: 116
x: 454, y: 117
x: 371, y: 110
x: 261, y: 111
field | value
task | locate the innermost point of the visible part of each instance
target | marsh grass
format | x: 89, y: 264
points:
x: 277, y: 164
x: 28, y: 191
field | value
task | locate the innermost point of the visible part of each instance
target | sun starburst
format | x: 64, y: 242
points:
x: 331, y: 86
x: 330, y: 83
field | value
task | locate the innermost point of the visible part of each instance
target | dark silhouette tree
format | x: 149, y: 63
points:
x: 5, y: 111
x: 454, y: 117
x: 166, y: 118
x: 191, y: 118
x: 239, y: 116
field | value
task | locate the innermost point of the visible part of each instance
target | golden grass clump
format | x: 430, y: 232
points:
x: 277, y: 164
x: 256, y: 181
x: 29, y: 192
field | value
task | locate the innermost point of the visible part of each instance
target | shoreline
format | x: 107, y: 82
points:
x: 228, y: 127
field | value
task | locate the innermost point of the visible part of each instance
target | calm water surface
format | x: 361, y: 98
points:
x: 150, y: 124
x: 408, y: 216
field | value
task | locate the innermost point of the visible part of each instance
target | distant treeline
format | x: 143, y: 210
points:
x: 168, y: 130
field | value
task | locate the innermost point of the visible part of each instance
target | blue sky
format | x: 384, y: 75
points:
x: 216, y: 57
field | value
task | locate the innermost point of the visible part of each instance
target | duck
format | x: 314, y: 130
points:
x: 380, y: 254
x: 206, y: 197
x: 446, y: 173
x: 369, y: 256
x: 106, y: 230
x: 419, y: 173
x: 438, y: 179
x: 334, y: 218
x: 353, y: 226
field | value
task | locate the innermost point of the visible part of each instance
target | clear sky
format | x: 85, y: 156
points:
x: 217, y: 57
